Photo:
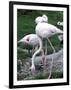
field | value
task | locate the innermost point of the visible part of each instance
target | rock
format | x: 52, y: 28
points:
x: 25, y: 73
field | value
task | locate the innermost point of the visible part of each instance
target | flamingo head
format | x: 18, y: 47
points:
x: 31, y: 39
x: 26, y: 39
x: 41, y: 19
x: 32, y: 68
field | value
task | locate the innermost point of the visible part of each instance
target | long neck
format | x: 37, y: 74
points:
x: 40, y: 44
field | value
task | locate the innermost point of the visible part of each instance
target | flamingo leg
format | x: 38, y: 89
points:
x: 52, y: 59
x: 33, y: 50
x: 43, y: 55
x: 45, y: 51
x: 46, y: 47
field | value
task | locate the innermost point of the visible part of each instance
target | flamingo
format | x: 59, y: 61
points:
x: 31, y: 39
x: 44, y: 18
x: 45, y: 30
x: 42, y: 25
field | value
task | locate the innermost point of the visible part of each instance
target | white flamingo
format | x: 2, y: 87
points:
x: 31, y: 39
x: 44, y: 18
x: 45, y: 30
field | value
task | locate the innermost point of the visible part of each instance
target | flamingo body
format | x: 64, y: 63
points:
x: 46, y: 30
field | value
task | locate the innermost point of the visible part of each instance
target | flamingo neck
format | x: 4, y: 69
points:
x: 40, y: 47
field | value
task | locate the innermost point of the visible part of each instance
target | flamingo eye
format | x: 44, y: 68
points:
x: 27, y: 39
x: 52, y: 31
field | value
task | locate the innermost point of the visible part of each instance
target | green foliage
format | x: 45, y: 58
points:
x: 45, y: 76
x: 25, y: 46
x: 57, y: 75
x: 22, y: 55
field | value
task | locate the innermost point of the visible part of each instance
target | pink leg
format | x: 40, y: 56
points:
x: 43, y: 58
x: 51, y: 66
